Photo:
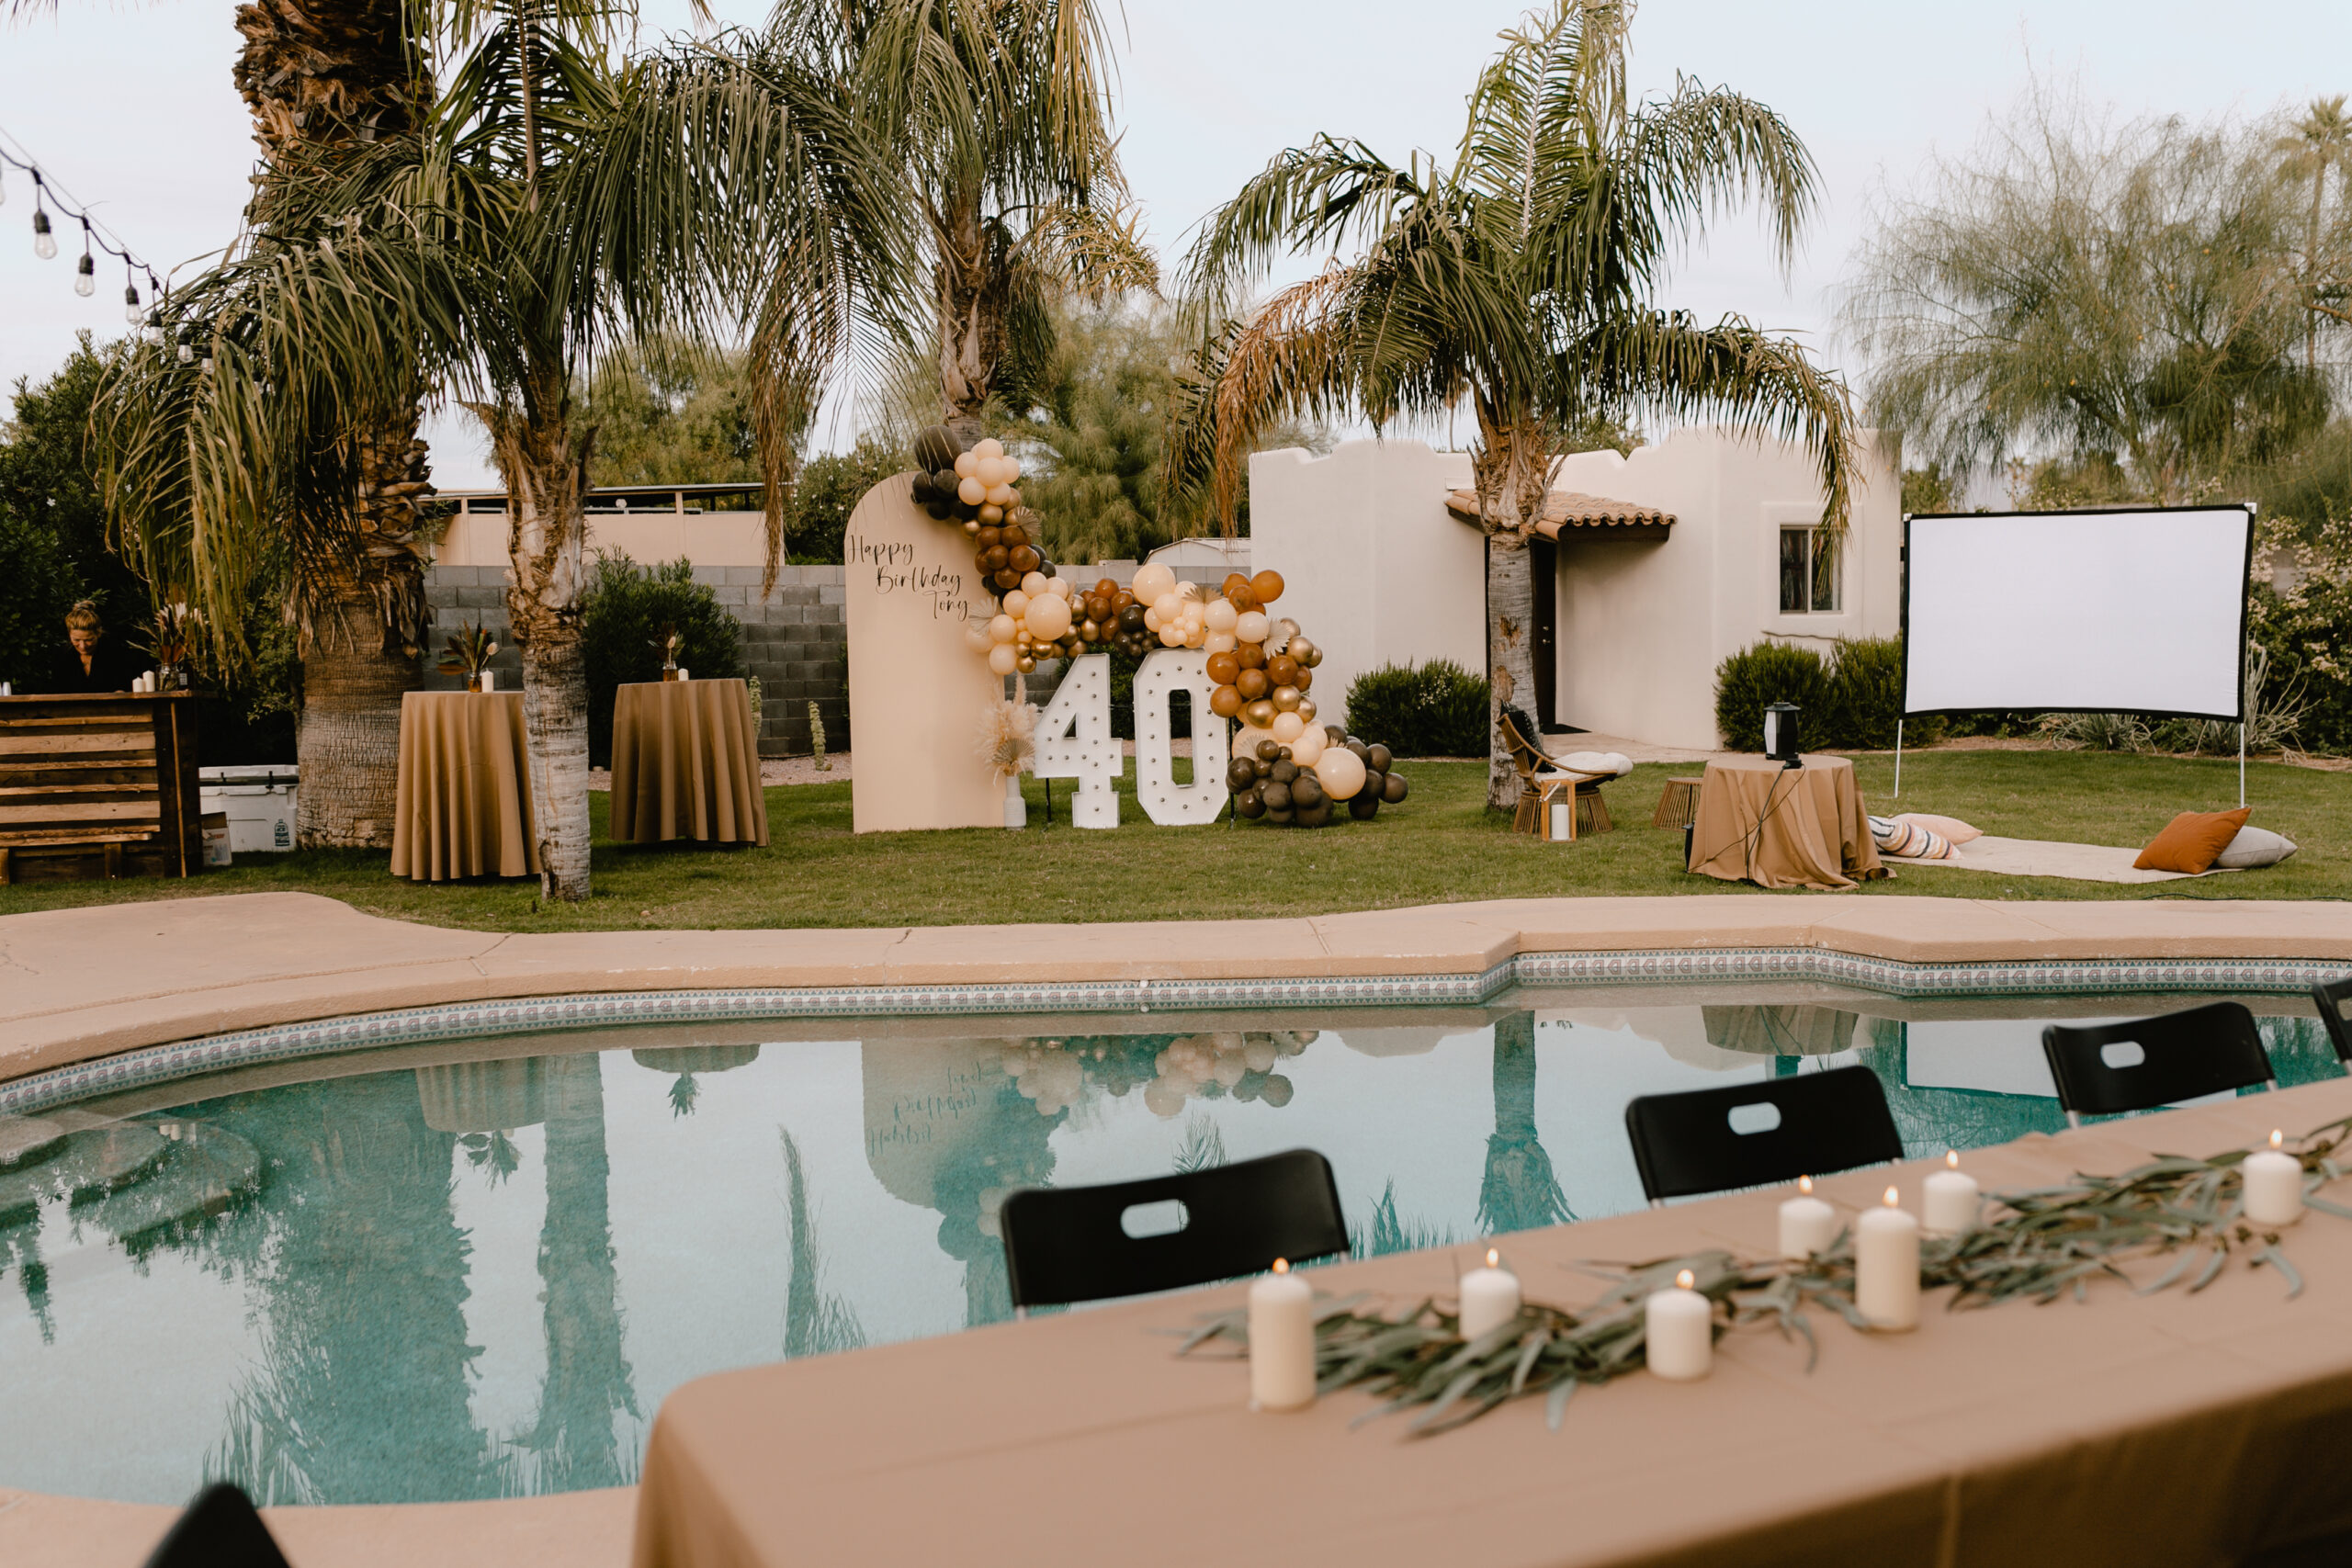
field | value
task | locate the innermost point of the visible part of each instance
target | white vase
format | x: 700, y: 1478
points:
x: 1016, y: 810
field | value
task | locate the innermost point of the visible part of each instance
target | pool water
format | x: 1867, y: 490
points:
x: 475, y: 1269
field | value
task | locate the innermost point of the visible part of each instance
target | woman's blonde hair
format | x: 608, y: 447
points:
x: 84, y: 618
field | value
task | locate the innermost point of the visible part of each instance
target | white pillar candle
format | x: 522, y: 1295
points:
x: 489, y: 681
x: 681, y: 671
x: 1886, y: 1266
x: 1680, y: 1331
x: 1560, y: 821
x: 1490, y: 1297
x: 1807, y: 1224
x: 2274, y: 1186
x: 1281, y: 1341
x: 1950, y: 1202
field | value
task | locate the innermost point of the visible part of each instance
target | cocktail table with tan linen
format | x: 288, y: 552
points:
x: 1780, y: 827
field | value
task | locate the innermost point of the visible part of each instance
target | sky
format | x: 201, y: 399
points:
x: 131, y: 106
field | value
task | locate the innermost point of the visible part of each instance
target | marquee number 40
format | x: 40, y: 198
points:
x: 1074, y: 741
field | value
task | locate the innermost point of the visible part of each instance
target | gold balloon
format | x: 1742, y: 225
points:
x: 1088, y: 630
x: 973, y: 526
x: 1259, y: 715
x: 1285, y: 699
x: 1306, y: 709
x: 991, y: 513
x: 1026, y: 665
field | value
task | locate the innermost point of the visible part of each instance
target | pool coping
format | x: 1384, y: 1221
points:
x: 175, y: 986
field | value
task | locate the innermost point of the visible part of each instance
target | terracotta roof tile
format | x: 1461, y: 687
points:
x: 1571, y: 509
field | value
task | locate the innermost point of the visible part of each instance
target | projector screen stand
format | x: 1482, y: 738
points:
x: 1898, y: 758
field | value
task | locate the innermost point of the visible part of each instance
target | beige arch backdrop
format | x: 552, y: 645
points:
x: 916, y: 694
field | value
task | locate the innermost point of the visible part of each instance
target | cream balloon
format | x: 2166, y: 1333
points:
x: 1003, y: 629
x: 1152, y: 579
x: 1048, y: 616
x: 1221, y: 615
x: 1059, y: 585
x: 1288, y: 727
x: 1251, y: 626
x: 1001, y: 495
x: 1308, y: 746
x: 1172, y: 635
x: 988, y: 446
x: 1168, y: 606
x: 966, y: 464
x: 972, y: 491
x: 1151, y: 620
x: 1016, y: 603
x: 1340, y: 772
x: 1193, y: 634
x: 1011, y: 468
x: 1035, y: 584
x: 1003, y: 660
x: 1221, y: 642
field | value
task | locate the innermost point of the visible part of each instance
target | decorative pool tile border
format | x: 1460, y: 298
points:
x: 468, y: 1020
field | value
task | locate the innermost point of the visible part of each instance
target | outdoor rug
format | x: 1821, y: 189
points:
x: 2047, y: 857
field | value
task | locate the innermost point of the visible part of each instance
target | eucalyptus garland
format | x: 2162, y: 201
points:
x: 2039, y: 1243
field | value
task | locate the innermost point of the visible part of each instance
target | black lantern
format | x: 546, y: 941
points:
x: 1781, y: 734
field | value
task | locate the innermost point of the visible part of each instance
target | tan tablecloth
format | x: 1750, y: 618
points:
x: 1813, y: 831
x: 464, y: 807
x: 686, y: 763
x: 2130, y: 1431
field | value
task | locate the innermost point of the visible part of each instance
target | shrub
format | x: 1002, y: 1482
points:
x: 1437, y: 709
x: 37, y: 585
x: 1749, y: 682
x: 624, y: 609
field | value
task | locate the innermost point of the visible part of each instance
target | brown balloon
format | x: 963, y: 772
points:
x: 1267, y: 585
x: 1024, y: 559
x: 1282, y: 670
x: 996, y: 558
x: 1233, y: 579
x: 1223, y: 669
x: 1103, y: 588
x: 1304, y: 679
x: 990, y: 538
x: 1225, y: 702
x: 1252, y: 655
x: 1253, y: 683
x: 1014, y: 534
x: 1006, y: 581
x: 1240, y: 598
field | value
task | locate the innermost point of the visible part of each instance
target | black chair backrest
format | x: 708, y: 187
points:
x: 1069, y: 1245
x: 220, y: 1529
x: 2330, y: 999
x: 1750, y: 1134
x: 2181, y: 1056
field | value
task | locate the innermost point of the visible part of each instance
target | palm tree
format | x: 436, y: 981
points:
x: 1515, y: 279
x: 551, y: 204
x: 2317, y: 145
x: 995, y: 120
x: 1518, y: 1191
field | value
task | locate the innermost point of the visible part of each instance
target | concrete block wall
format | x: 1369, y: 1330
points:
x: 795, y: 640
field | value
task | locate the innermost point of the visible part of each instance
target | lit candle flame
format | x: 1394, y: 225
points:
x: 1892, y: 1197
x: 1951, y: 1158
x: 2275, y: 1139
x: 1493, y: 1258
x: 1804, y: 1185
x: 1282, y: 1265
x: 1684, y: 1280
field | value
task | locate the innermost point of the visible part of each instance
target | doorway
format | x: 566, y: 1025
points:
x: 1544, y: 564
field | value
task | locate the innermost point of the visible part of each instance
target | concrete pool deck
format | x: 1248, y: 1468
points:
x: 78, y: 984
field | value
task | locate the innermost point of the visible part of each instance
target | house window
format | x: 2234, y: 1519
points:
x: 1808, y: 573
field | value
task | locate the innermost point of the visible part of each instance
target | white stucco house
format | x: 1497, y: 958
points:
x: 1664, y: 562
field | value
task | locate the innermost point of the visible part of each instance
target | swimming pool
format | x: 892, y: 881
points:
x: 474, y: 1268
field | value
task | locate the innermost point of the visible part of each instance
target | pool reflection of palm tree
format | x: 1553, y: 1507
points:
x: 815, y: 1320
x: 1520, y: 1193
x: 588, y: 1378
x: 20, y: 1250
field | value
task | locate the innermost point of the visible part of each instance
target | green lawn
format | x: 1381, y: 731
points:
x: 1440, y: 845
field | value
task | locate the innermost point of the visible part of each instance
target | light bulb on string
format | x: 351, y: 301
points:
x: 131, y: 311
x: 86, y: 273
x: 44, y: 242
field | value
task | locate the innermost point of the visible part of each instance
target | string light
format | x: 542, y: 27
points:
x: 95, y: 237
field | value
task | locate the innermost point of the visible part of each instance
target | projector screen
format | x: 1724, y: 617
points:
x: 2077, y: 612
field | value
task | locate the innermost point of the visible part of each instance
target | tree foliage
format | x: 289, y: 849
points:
x: 2089, y: 294
x: 622, y: 614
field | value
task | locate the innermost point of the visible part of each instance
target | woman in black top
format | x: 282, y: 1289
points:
x: 90, y: 661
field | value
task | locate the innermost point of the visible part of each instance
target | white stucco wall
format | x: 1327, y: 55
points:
x: 1369, y: 575
x: 707, y: 538
x: 1380, y: 572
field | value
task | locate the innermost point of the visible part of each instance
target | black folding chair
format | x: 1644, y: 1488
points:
x: 2112, y: 1067
x: 220, y: 1529
x: 2330, y: 999
x: 1084, y: 1243
x: 1712, y: 1140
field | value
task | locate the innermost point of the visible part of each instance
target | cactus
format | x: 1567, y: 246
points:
x: 752, y: 686
x: 817, y: 739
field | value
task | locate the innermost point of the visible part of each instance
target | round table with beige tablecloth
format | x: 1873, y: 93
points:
x: 686, y: 763
x: 464, y: 806
x: 1780, y: 826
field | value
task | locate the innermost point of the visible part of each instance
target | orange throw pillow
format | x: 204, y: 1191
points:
x: 2191, y: 841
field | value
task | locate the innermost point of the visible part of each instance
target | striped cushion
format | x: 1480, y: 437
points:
x: 1908, y: 840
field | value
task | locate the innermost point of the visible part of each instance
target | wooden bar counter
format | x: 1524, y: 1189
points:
x: 99, y: 785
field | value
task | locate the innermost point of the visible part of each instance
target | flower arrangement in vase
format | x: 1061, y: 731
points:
x: 174, y: 647
x: 469, y: 652
x: 669, y: 641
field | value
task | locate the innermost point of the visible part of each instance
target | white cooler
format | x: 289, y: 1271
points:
x: 259, y: 803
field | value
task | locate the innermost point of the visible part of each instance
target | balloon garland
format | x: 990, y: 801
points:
x: 1262, y: 668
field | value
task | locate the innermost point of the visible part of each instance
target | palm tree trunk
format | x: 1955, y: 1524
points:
x: 1511, y: 468
x: 545, y: 465
x: 588, y: 1377
x: 971, y: 315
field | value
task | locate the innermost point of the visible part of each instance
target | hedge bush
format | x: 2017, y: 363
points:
x: 1437, y: 709
x: 625, y: 607
x: 1852, y: 700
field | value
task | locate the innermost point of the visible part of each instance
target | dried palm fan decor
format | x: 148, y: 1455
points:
x: 2038, y: 1245
x: 1008, y: 740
